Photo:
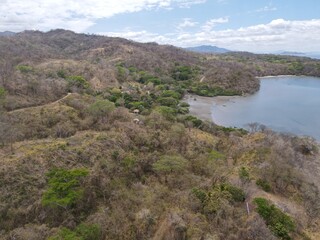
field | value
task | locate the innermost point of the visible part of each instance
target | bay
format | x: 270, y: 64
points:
x: 284, y: 103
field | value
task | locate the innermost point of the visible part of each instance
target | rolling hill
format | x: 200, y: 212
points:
x: 95, y: 143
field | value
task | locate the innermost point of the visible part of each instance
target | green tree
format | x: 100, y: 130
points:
x: 168, y: 101
x: 82, y: 232
x: 64, y: 187
x: 101, y: 109
x: 171, y: 93
x: 78, y: 82
x: 170, y: 164
x: 213, y: 200
x: 167, y: 112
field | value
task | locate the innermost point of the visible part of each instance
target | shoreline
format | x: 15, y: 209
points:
x: 205, y: 108
x: 202, y: 109
x: 275, y: 76
x: 202, y: 106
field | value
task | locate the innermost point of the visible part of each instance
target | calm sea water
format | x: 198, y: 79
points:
x: 285, y: 103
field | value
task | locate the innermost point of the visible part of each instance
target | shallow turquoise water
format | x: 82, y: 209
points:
x: 285, y: 103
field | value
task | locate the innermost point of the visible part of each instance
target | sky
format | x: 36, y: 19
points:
x: 243, y: 25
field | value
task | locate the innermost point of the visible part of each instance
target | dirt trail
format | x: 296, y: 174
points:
x: 39, y: 106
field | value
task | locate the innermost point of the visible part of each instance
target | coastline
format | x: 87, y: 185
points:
x: 272, y: 76
x: 202, y: 106
x: 199, y: 106
x: 209, y: 108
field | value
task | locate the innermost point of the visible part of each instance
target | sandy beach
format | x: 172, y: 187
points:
x: 202, y: 106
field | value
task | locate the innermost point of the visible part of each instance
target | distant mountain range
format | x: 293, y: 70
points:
x: 207, y: 49
x: 218, y: 50
x: 315, y: 55
x: 7, y: 33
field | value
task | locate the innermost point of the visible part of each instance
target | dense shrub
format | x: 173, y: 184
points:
x: 205, y: 90
x: 146, y: 78
x: 167, y: 112
x: 25, y: 68
x: 196, y: 122
x: 171, y: 93
x: 215, y: 155
x: 61, y: 73
x: 264, y: 184
x: 170, y: 164
x: 237, y: 194
x: 279, y: 223
x: 78, y: 81
x: 213, y: 199
x: 244, y: 174
x: 64, y: 187
x: 183, y: 73
x: 101, y: 109
x: 168, y: 101
x: 82, y: 232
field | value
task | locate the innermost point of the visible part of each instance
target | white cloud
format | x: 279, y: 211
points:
x: 141, y: 36
x: 209, y: 25
x: 268, y: 8
x: 186, y: 23
x: 279, y: 34
x: 189, y: 3
x: 77, y: 15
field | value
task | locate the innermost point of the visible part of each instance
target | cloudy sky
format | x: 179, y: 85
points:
x: 247, y: 25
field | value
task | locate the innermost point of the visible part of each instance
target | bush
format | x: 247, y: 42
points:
x: 215, y: 155
x: 205, y: 90
x: 64, y: 187
x: 101, y: 109
x: 171, y: 93
x: 137, y: 105
x: 237, y: 194
x: 146, y: 78
x: 170, y: 164
x: 195, y: 121
x: 61, y: 73
x: 184, y: 104
x: 183, y: 110
x: 168, y: 101
x: 167, y: 112
x: 279, y: 223
x: 25, y: 68
x: 3, y: 93
x: 182, y: 73
x: 244, y: 175
x: 264, y: 185
x: 82, y: 232
x: 78, y: 81
x: 212, y: 200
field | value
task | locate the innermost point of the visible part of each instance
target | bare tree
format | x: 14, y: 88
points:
x: 6, y: 71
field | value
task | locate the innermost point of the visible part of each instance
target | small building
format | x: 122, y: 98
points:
x: 136, y: 111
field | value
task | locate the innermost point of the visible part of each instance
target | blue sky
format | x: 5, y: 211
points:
x: 248, y: 25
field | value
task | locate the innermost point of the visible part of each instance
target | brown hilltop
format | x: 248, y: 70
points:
x: 96, y: 59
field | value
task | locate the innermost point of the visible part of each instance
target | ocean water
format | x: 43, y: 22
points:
x: 285, y: 103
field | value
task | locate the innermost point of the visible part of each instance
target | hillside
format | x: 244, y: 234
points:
x: 96, y: 144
